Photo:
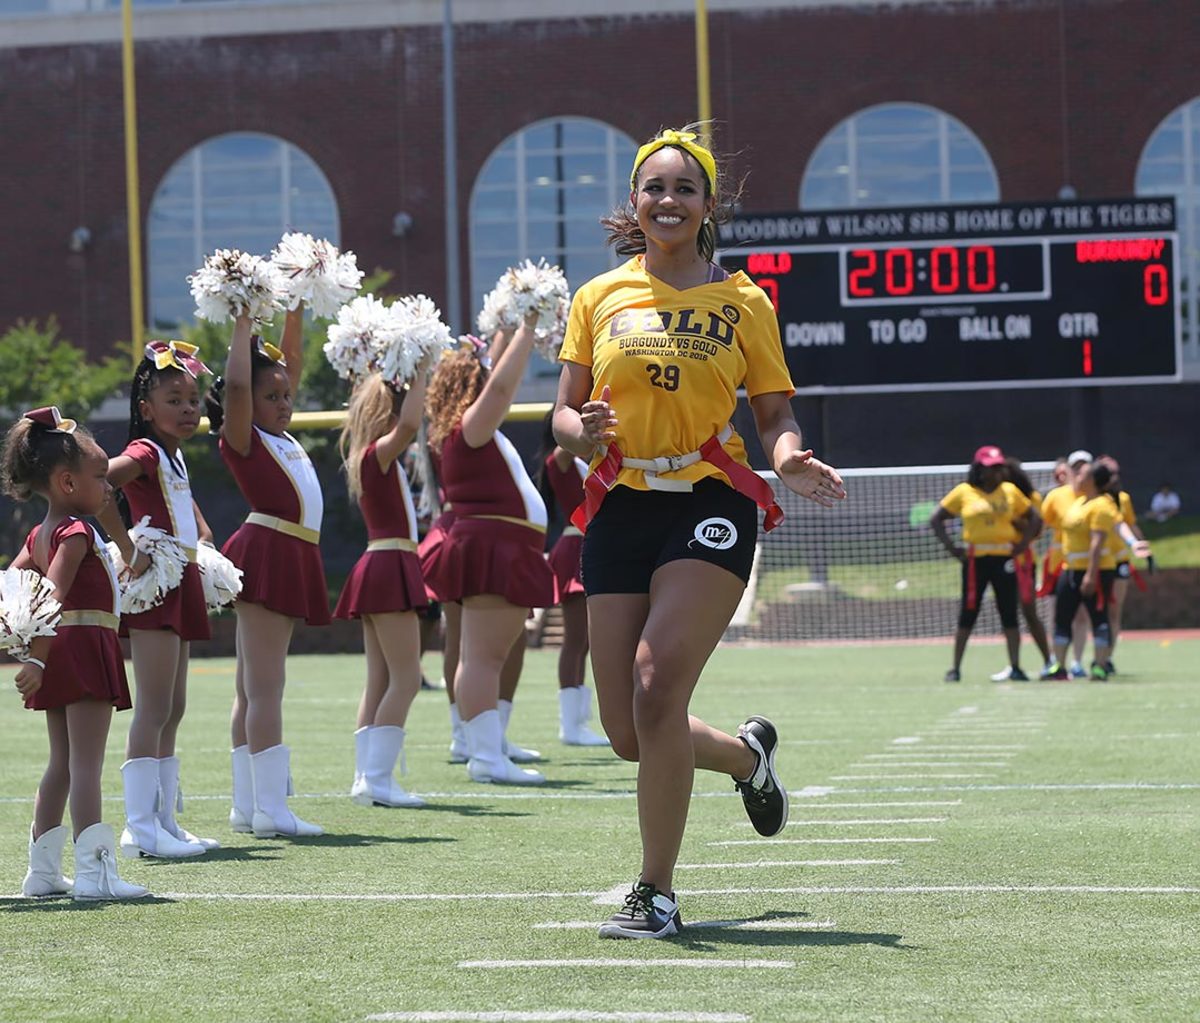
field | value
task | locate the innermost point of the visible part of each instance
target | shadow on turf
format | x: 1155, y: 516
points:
x: 65, y: 904
x: 709, y: 939
x: 350, y: 839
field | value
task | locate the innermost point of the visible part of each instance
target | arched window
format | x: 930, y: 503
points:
x: 1170, y: 165
x: 239, y: 191
x: 898, y: 154
x: 541, y: 194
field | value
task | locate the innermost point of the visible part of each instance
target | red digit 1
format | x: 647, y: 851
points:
x: 771, y: 287
x: 857, y: 287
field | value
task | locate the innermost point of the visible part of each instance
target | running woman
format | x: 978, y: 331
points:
x: 654, y: 355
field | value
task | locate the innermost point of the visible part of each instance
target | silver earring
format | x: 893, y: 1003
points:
x: 708, y: 220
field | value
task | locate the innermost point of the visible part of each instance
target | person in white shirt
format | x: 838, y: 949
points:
x: 1165, y: 504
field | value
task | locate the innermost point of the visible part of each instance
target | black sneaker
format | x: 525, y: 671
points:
x: 952, y: 676
x: 1110, y: 667
x: 763, y: 793
x: 647, y: 913
x: 1018, y: 676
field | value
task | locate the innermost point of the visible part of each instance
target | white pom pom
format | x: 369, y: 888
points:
x: 417, y: 332
x: 232, y: 282
x: 167, y: 562
x: 27, y: 609
x: 363, y: 326
x: 315, y: 272
x: 529, y: 288
x: 221, y: 577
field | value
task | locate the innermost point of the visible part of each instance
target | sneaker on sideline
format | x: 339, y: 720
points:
x: 1099, y: 672
x: 1077, y: 670
x: 952, y: 676
x: 1050, y: 670
x: 647, y: 913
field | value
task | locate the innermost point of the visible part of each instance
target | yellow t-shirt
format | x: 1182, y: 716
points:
x: 1116, y: 546
x: 987, y: 518
x: 674, y: 361
x: 1084, y: 517
x: 1054, y: 507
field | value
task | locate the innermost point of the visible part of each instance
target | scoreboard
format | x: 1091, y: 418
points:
x: 964, y: 297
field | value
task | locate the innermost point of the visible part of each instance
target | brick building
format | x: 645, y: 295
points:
x: 341, y: 100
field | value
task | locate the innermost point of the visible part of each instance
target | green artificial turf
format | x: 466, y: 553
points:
x: 1096, y: 786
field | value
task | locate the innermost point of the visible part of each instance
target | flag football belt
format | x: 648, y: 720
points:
x: 284, y: 526
x: 744, y: 480
x: 104, y: 619
x: 1023, y: 564
x: 392, y: 543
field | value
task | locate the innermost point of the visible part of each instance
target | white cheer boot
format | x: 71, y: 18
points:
x: 144, y: 835
x: 241, y: 814
x: 362, y: 739
x: 171, y: 801
x: 271, y: 788
x: 458, y: 738
x: 385, y: 746
x: 488, y: 762
x: 96, y: 874
x: 517, y: 754
x: 45, y: 876
x: 574, y: 713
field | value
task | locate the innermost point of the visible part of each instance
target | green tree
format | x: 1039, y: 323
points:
x: 38, y: 367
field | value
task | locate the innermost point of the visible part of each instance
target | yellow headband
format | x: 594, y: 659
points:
x: 685, y: 140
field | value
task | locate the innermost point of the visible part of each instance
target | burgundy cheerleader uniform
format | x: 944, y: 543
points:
x: 388, y: 575
x: 565, y: 554
x: 495, y: 542
x: 164, y: 493
x: 431, y: 547
x: 277, y: 546
x: 84, y: 662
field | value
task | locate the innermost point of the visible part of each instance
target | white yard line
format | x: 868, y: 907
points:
x: 878, y: 805
x: 928, y: 763
x: 983, y: 748
x: 635, y: 964
x: 890, y: 777
x: 855, y: 823
x: 756, y: 864
x: 616, y: 895
x: 710, y: 925
x: 560, y: 1016
x: 955, y: 755
x: 822, y: 841
x: 1030, y: 787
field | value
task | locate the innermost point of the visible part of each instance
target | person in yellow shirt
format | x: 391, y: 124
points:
x: 1090, y: 568
x: 1054, y: 507
x: 998, y: 524
x: 1026, y: 573
x: 654, y: 354
x: 1122, y: 540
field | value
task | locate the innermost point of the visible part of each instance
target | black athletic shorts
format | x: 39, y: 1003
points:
x: 636, y: 532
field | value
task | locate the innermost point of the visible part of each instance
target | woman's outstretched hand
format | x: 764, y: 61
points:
x: 810, y: 477
x: 598, y: 418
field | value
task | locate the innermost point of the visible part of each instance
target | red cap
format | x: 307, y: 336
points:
x: 989, y: 454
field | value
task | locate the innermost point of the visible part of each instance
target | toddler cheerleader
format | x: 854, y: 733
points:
x: 164, y: 411
x: 277, y: 550
x: 385, y: 587
x: 77, y: 676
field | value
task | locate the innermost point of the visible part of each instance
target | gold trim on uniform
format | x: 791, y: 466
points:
x: 510, y: 518
x: 104, y: 619
x: 392, y: 543
x: 284, y: 526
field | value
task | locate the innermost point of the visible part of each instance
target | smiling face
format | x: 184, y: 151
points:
x: 172, y: 406
x: 272, y: 399
x: 670, y: 199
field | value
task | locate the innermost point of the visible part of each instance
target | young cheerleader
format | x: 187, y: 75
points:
x: 164, y: 410
x: 385, y: 588
x: 563, y: 475
x: 77, y: 676
x: 491, y: 559
x: 276, y: 549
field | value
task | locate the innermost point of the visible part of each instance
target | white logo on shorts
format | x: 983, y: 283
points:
x: 719, y: 534
x: 1010, y: 566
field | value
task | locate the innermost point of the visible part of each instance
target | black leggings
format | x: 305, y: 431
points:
x: 998, y: 570
x: 1067, y: 598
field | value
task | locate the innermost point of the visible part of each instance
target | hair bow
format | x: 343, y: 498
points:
x: 685, y: 140
x: 51, y: 419
x: 268, y: 350
x: 475, y: 346
x: 178, y: 355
